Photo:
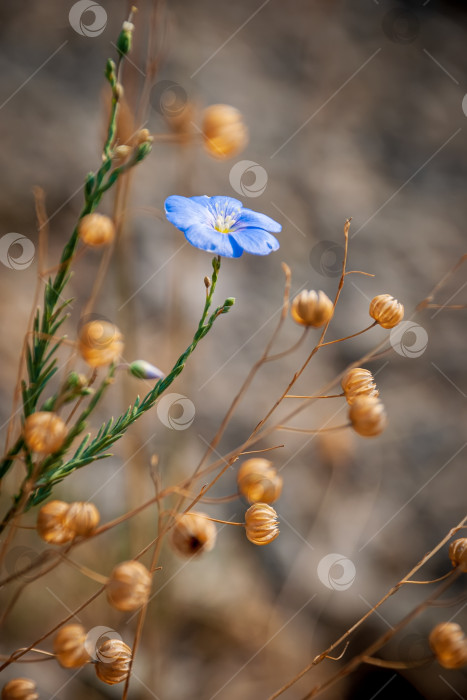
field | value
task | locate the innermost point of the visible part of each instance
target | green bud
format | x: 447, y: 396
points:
x: 110, y: 71
x: 124, y: 41
x: 142, y: 151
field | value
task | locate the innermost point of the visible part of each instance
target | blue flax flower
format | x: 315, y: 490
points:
x: 222, y: 226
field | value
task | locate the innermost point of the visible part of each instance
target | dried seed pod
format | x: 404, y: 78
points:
x: 312, y: 308
x: 96, y: 230
x: 100, y: 343
x: 224, y: 131
x: 82, y: 518
x: 386, y: 310
x: 69, y: 646
x: 44, y: 432
x: 258, y: 481
x: 458, y: 553
x: 193, y: 534
x: 129, y: 586
x: 51, y: 523
x: 20, y: 689
x: 114, y: 661
x: 358, y: 382
x: 449, y: 645
x: 261, y: 523
x: 368, y: 416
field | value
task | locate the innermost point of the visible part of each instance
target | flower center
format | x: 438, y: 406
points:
x: 224, y: 223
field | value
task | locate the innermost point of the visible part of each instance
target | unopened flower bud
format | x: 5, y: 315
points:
x: 97, y: 230
x: 261, y: 523
x: 224, y: 131
x: 69, y: 646
x: 193, y: 534
x: 258, y: 481
x: 125, y: 38
x: 143, y: 136
x: 386, y: 310
x: 144, y: 370
x: 312, y: 308
x: 458, y: 553
x: 44, y: 432
x: 51, y: 523
x: 129, y: 586
x: 100, y: 343
x: 83, y: 518
x: 122, y: 152
x: 114, y: 661
x: 20, y: 689
x: 367, y: 416
x: 449, y: 645
x: 358, y: 382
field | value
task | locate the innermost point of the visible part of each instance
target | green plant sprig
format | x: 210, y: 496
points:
x: 40, y: 361
x: 55, y: 470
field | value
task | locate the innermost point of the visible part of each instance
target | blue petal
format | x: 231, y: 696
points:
x: 207, y: 238
x: 256, y: 241
x: 226, y: 203
x: 253, y: 219
x: 183, y: 212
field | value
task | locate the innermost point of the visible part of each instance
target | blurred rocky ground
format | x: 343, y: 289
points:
x: 354, y: 109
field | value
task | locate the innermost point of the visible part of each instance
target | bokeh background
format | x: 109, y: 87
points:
x: 354, y: 109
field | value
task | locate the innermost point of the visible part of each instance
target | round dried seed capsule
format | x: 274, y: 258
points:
x: 193, y: 534
x: 20, y: 689
x: 44, y: 432
x: 449, y: 645
x: 358, y: 382
x: 386, y: 310
x: 261, y: 523
x: 368, y: 416
x: 114, y: 661
x: 100, y: 343
x: 82, y: 518
x: 51, y: 523
x: 257, y: 480
x: 129, y: 586
x: 69, y: 646
x: 96, y: 230
x: 458, y: 553
x: 312, y: 308
x: 224, y: 131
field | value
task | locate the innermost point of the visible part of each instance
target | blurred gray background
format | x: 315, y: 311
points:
x: 354, y: 110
